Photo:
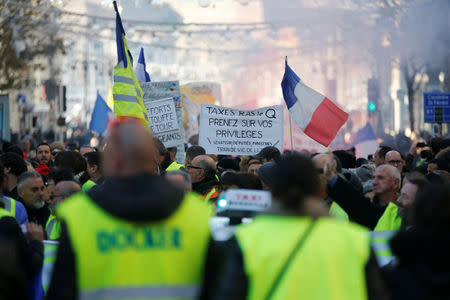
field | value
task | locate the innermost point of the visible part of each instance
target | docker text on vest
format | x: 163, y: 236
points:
x: 123, y: 239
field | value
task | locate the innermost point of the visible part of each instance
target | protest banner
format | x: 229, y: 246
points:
x: 240, y: 132
x: 163, y: 121
x: 154, y: 91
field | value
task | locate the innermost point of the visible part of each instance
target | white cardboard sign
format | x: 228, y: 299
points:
x: 232, y: 131
x: 163, y: 121
x: 154, y: 91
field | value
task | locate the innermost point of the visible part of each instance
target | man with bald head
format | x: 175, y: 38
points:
x: 61, y: 191
x: 202, y: 170
x: 320, y: 161
x: 394, y: 158
x: 139, y: 236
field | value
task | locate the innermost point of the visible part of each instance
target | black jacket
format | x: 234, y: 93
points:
x: 19, y: 266
x: 39, y: 216
x: 359, y: 208
x: 204, y: 186
x: 141, y: 198
x: 226, y: 278
x: 12, y: 194
x: 423, y: 269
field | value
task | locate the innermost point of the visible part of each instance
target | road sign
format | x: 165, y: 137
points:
x: 436, y: 107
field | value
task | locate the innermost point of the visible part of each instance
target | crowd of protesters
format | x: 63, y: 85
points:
x: 311, y: 243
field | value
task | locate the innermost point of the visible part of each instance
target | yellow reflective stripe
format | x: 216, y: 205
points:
x: 120, y: 97
x: 49, y: 227
x: 123, y: 79
x: 383, y: 234
x: 383, y: 253
x: 49, y: 259
x: 138, y: 93
x: 143, y: 292
x: 7, y: 201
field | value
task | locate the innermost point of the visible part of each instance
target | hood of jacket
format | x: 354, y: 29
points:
x: 138, y: 198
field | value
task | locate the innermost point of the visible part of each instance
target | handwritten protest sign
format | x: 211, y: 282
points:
x: 163, y: 122
x: 154, y: 91
x: 240, y: 132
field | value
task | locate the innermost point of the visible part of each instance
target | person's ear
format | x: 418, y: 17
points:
x: 20, y: 192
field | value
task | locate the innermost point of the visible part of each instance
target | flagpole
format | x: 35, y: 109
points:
x: 290, y: 131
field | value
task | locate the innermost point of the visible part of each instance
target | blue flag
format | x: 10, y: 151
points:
x: 365, y: 142
x: 140, y: 71
x: 100, y: 115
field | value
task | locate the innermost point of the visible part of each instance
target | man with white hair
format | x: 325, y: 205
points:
x: 379, y: 214
x: 386, y: 183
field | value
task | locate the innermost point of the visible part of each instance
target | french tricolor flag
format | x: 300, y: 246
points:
x: 316, y: 115
x: 139, y: 71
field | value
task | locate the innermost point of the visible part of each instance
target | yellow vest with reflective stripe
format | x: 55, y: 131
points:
x: 88, y: 185
x: 53, y: 228
x: 380, y: 246
x: 10, y: 205
x: 50, y: 249
x: 124, y: 260
x: 127, y: 92
x: 4, y: 213
x: 174, y: 166
x: 390, y: 220
x: 212, y: 193
x: 330, y: 264
x: 338, y: 212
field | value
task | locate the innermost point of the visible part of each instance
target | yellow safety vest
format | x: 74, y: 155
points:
x: 338, y: 212
x: 174, y: 166
x: 53, y: 228
x: 125, y: 260
x: 10, y: 205
x: 5, y: 213
x: 330, y: 264
x: 50, y: 250
x: 127, y: 92
x: 386, y: 227
x: 390, y: 220
x: 88, y: 185
x: 211, y: 194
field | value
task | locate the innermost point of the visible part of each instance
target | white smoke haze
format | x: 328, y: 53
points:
x: 334, y: 46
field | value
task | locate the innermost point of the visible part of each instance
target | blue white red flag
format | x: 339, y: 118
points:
x: 315, y: 114
x: 140, y: 71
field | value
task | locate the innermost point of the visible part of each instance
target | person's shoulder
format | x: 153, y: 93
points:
x: 19, y: 205
x: 70, y: 203
x: 333, y: 224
